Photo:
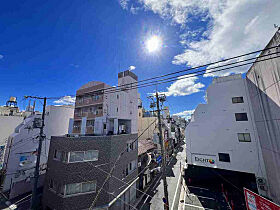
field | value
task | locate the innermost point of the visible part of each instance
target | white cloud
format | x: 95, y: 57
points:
x: 233, y: 27
x: 66, y: 100
x: 132, y: 68
x: 124, y: 3
x: 1, y: 57
x: 185, y: 114
x: 183, y: 87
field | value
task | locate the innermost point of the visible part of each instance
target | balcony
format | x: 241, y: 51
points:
x: 89, y: 130
x: 76, y: 130
x: 89, y: 102
x: 89, y: 115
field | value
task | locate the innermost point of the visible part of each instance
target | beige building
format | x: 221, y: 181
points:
x: 147, y: 125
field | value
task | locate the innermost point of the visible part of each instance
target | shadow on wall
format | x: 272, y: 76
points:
x: 266, y: 111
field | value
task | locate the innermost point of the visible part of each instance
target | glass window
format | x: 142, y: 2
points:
x: 236, y: 100
x: 241, y: 117
x: 83, y: 187
x: 76, y: 156
x: 73, y: 188
x: 91, y: 155
x: 244, y: 137
x: 89, y: 186
x: 224, y: 157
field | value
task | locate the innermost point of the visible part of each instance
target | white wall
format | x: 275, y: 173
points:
x: 214, y: 129
x: 24, y: 143
x: 7, y: 126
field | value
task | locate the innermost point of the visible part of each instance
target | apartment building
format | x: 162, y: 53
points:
x: 221, y: 138
x: 104, y: 127
x: 78, y: 166
x: 104, y: 110
x: 264, y: 90
x: 20, y: 153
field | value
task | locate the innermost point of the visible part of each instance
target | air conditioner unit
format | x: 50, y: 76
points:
x: 260, y: 181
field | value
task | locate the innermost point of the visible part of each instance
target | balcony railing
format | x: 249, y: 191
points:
x: 76, y: 130
x: 88, y: 115
x: 88, y: 102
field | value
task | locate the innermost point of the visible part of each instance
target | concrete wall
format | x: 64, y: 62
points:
x: 109, y: 148
x: 7, y: 127
x: 264, y: 88
x: 214, y: 129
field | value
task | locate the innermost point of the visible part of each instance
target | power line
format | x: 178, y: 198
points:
x: 114, y: 165
x: 110, y: 194
x: 114, y: 89
x: 175, y: 78
x: 97, y: 167
x: 184, y: 70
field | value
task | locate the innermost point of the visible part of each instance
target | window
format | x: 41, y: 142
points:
x: 95, y: 98
x: 90, y: 122
x: 131, y: 146
x: 117, y: 96
x: 104, y: 126
x: 91, y: 155
x: 100, y: 107
x: 131, y: 167
x: 241, y: 117
x: 60, y: 155
x: 117, y: 109
x: 244, y: 137
x: 224, y: 157
x: 51, y: 184
x: 77, y: 188
x: 236, y: 100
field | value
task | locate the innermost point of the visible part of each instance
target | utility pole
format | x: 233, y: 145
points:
x: 34, y: 201
x: 158, y: 110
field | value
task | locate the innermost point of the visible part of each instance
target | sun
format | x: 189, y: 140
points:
x: 153, y: 44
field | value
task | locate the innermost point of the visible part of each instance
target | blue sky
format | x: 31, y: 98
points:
x: 51, y: 48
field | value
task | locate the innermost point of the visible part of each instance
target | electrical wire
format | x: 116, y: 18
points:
x: 114, y: 165
x: 114, y: 89
x: 109, y: 193
x: 97, y: 167
x: 188, y: 69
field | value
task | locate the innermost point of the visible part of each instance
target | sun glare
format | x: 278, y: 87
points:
x: 153, y: 44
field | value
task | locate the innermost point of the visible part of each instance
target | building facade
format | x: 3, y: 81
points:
x: 264, y: 89
x: 104, y: 127
x: 20, y: 154
x: 78, y: 166
x: 147, y: 124
x: 222, y: 133
x: 104, y: 110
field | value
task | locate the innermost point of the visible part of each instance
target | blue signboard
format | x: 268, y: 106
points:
x: 158, y: 159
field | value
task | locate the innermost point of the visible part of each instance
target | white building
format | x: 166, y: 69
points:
x: 222, y: 133
x: 20, y: 154
x: 10, y: 118
x: 101, y: 109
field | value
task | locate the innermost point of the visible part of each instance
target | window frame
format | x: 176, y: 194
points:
x: 243, y: 134
x: 235, y: 100
x: 81, y: 188
x: 80, y: 161
x: 241, y: 119
x: 224, y: 159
